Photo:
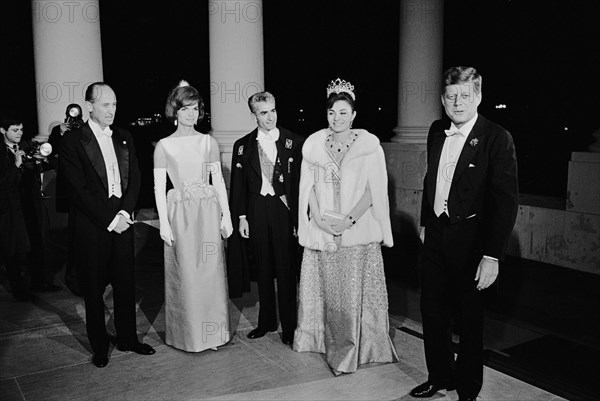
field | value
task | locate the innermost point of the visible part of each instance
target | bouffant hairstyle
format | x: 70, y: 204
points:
x: 182, y: 96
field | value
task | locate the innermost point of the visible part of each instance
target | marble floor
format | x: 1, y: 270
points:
x: 44, y: 354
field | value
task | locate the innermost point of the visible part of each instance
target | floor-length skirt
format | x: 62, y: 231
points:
x: 343, y: 307
x: 196, y: 298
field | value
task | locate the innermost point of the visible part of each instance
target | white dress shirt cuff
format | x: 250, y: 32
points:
x: 113, y: 223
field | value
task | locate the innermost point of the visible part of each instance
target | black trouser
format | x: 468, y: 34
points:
x: 108, y: 258
x: 449, y: 265
x: 271, y: 238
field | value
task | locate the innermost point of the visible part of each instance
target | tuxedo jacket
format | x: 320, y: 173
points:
x: 484, y: 186
x: 84, y: 172
x: 246, y: 176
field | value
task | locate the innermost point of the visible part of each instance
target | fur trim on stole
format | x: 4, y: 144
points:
x: 363, y: 165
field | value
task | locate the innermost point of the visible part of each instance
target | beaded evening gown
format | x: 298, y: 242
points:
x: 196, y: 298
x: 343, y: 305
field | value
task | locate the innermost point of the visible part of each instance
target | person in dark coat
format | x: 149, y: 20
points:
x: 265, y: 176
x: 469, y: 208
x: 103, y: 180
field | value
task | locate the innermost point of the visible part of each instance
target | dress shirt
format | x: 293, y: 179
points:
x: 453, y: 145
x: 12, y: 146
x: 267, y: 140
x: 104, y: 138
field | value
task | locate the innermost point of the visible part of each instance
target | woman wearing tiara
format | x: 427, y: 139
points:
x: 193, y: 217
x: 343, y: 220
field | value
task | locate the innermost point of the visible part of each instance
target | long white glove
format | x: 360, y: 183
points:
x: 219, y: 185
x: 160, y: 186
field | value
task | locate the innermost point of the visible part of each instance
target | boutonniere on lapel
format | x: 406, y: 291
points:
x: 238, y: 165
x: 290, y: 161
x: 289, y: 143
x: 241, y: 150
x: 474, y: 142
x: 280, y: 177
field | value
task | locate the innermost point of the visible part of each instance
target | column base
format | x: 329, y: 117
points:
x: 414, y: 135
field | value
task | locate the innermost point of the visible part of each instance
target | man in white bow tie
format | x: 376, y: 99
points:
x: 103, y: 181
x: 469, y: 207
x: 265, y: 176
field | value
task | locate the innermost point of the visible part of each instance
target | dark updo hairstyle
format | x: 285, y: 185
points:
x: 334, y: 97
x: 181, y: 96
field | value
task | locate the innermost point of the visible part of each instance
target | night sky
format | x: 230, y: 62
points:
x: 540, y: 58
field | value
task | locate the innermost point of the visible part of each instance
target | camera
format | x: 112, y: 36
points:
x: 74, y: 117
x: 74, y: 123
x: 44, y: 149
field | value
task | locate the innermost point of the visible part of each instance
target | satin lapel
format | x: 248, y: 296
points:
x: 122, y: 153
x: 253, y: 152
x: 434, y: 161
x: 92, y: 149
x: 468, y: 150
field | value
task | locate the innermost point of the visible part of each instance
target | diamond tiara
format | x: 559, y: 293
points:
x: 183, y: 83
x: 340, y: 85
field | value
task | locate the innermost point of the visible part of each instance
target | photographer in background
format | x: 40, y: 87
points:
x: 73, y: 121
x: 23, y: 216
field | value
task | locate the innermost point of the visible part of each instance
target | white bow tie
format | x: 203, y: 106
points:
x: 451, y: 132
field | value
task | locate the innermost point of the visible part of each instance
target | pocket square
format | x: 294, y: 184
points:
x: 471, y: 165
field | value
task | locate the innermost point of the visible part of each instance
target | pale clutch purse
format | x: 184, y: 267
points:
x: 329, y: 215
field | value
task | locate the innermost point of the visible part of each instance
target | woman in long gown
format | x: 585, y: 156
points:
x: 193, y: 216
x: 343, y: 219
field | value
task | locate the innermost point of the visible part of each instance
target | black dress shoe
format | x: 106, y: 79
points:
x: 467, y: 398
x: 100, y: 360
x: 428, y: 389
x: 258, y: 333
x: 139, y: 348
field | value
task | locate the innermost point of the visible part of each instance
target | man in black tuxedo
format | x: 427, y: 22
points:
x: 469, y: 207
x: 265, y: 176
x: 103, y: 180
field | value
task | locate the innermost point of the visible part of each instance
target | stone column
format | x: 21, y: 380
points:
x: 236, y: 69
x: 420, y: 70
x: 68, y: 57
